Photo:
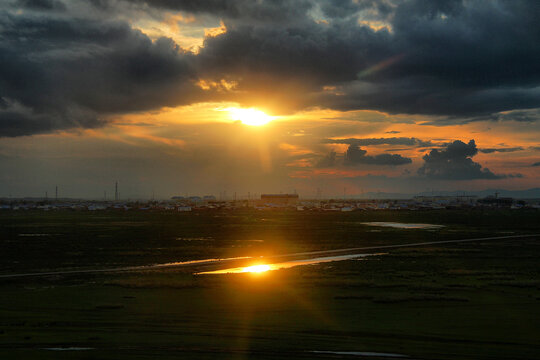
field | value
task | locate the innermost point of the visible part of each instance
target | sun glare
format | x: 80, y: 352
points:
x: 256, y: 268
x: 252, y: 117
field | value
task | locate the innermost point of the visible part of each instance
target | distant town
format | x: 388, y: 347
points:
x: 271, y: 202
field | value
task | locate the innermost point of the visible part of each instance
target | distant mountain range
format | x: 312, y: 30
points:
x: 533, y: 193
x: 517, y: 194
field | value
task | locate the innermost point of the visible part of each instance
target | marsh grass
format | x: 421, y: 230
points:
x: 464, y: 301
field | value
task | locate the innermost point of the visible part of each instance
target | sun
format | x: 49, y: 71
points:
x: 256, y: 268
x: 252, y: 117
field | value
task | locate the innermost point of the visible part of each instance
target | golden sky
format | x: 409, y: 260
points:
x: 169, y: 98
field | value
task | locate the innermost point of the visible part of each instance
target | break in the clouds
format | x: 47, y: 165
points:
x: 71, y: 64
x: 455, y: 163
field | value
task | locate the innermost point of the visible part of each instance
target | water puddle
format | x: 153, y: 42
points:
x: 35, y: 235
x: 259, y: 268
x: 273, y: 266
x: 68, y: 348
x: 402, y: 225
x: 362, y: 353
x: 128, y: 268
x: 194, y: 239
x: 183, y: 263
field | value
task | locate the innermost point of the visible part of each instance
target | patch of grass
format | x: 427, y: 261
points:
x: 461, y: 301
x: 397, y: 298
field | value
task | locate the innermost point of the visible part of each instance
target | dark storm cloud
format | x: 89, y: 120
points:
x: 536, y: 164
x: 450, y: 58
x: 245, y: 10
x: 500, y: 150
x: 41, y: 4
x: 308, y: 53
x: 356, y: 155
x: 522, y: 115
x: 15, y: 121
x: 410, y: 141
x: 59, y: 73
x: 529, y: 116
x: 457, y: 59
x: 377, y: 10
x: 455, y: 163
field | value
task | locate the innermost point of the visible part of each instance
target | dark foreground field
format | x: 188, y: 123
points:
x: 477, y: 300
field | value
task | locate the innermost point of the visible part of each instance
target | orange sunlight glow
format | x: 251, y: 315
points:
x: 256, y: 268
x: 252, y: 117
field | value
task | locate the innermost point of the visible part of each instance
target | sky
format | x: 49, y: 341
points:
x: 357, y: 96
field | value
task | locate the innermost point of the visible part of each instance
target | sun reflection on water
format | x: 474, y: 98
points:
x: 285, y: 265
x: 256, y: 268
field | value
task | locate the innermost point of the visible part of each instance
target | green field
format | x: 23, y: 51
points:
x: 452, y: 301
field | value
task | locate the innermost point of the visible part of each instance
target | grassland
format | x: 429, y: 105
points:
x: 459, y: 301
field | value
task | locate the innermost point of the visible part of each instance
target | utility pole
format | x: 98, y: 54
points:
x: 116, y: 191
x: 56, y: 194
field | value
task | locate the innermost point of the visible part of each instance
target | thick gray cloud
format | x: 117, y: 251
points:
x: 529, y: 115
x: 449, y: 58
x: 65, y: 67
x: 327, y: 161
x: 455, y: 163
x: 410, y: 141
x: 42, y: 4
x: 244, y: 10
x: 61, y: 73
x: 17, y: 121
x: 355, y: 155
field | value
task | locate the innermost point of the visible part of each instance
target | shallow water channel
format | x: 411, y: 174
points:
x: 402, y: 225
